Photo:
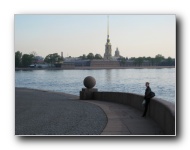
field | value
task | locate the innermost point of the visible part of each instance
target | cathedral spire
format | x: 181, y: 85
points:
x: 108, y: 40
x: 108, y: 50
x: 108, y: 27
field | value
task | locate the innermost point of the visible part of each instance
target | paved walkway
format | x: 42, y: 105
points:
x: 39, y: 112
x: 125, y: 120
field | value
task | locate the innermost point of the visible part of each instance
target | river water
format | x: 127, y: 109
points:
x: 162, y: 81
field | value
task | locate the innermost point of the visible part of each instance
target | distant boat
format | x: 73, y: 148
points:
x: 32, y: 66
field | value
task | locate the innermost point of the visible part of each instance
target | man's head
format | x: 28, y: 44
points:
x: 147, y: 84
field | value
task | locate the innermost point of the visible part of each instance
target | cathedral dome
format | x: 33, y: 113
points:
x: 117, y: 52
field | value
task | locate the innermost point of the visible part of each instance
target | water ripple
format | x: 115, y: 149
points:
x: 162, y: 81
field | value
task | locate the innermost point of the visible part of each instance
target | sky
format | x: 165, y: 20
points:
x: 75, y: 35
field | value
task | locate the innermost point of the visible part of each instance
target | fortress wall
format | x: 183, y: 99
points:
x: 103, y: 63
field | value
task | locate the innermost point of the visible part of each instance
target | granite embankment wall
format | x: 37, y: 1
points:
x: 161, y: 111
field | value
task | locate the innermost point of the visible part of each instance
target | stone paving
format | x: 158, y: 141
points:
x: 39, y: 112
x: 125, y: 120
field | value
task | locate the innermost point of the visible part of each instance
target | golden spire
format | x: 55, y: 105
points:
x: 108, y: 27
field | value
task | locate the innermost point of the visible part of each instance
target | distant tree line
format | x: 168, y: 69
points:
x: 158, y: 60
x: 25, y: 60
x: 53, y: 59
x: 91, y: 56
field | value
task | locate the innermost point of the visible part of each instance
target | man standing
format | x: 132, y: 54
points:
x: 147, y: 98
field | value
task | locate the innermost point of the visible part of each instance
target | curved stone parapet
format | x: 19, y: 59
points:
x: 163, y: 112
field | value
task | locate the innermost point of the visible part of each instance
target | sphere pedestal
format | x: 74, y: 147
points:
x: 87, y: 93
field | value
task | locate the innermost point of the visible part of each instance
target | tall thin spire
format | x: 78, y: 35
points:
x: 108, y: 50
x: 108, y: 27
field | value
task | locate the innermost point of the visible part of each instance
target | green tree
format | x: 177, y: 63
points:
x: 48, y: 59
x: 53, y: 58
x: 34, y: 58
x: 150, y: 60
x: 90, y: 56
x: 123, y: 60
x: 18, y: 59
x: 83, y: 56
x: 139, y: 61
x: 169, y: 61
x: 159, y: 58
x: 132, y: 58
x: 27, y: 60
x: 98, y: 56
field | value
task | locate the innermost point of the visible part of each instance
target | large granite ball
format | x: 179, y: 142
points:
x: 89, y: 82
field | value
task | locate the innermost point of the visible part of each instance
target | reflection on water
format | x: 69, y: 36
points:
x: 162, y: 81
x: 108, y: 75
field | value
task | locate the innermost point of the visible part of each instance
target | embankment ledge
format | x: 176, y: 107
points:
x: 163, y: 112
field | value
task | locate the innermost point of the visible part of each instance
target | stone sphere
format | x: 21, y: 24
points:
x: 89, y: 82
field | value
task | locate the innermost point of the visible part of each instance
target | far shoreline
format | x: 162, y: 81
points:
x: 97, y: 68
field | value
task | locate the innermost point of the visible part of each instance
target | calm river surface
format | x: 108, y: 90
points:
x: 162, y: 81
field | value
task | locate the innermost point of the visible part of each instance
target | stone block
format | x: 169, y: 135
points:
x: 87, y: 94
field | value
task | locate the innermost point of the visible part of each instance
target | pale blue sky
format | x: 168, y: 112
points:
x: 74, y: 35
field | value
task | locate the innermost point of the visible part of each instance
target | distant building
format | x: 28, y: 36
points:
x: 104, y: 63
x: 108, y: 61
x: 72, y: 62
x: 108, y: 50
x: 117, y: 54
x: 38, y: 60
